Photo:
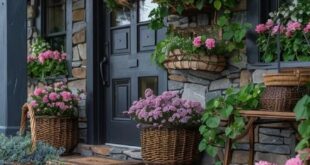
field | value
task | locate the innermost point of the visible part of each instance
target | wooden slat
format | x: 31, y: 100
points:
x: 268, y: 114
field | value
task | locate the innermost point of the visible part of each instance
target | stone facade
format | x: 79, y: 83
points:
x: 77, y: 78
x: 273, y: 143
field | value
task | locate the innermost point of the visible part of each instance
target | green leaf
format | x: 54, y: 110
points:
x: 211, y: 150
x: 202, y: 145
x: 202, y: 129
x: 213, y: 122
x: 304, y: 128
x: 200, y: 4
x: 180, y: 9
x: 304, y: 143
x: 217, y: 4
x: 222, y: 21
x: 301, y: 109
x: 226, y: 112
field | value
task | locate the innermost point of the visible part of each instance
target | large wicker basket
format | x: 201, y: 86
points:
x: 56, y: 131
x: 169, y: 146
x: 280, y: 98
x: 178, y: 60
x: 288, y: 77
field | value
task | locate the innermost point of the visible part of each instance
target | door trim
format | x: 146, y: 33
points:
x: 95, y: 35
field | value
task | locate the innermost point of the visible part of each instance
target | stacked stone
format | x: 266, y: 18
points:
x: 271, y: 144
x: 31, y: 28
x: 79, y: 60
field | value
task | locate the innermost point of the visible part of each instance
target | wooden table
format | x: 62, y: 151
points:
x: 256, y: 117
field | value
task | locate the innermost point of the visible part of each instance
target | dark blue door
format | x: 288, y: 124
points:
x: 130, y: 44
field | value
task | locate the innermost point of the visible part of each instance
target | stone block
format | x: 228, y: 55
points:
x: 274, y: 158
x: 205, y: 75
x: 277, y: 149
x: 175, y: 85
x: 79, y: 37
x: 195, y: 92
x: 197, y: 80
x: 76, y: 54
x: 212, y: 95
x: 79, y: 72
x: 270, y: 131
x: 101, y: 150
x: 135, y: 154
x: 76, y: 64
x: 245, y: 78
x: 177, y: 78
x: 78, y: 26
x: 240, y: 157
x: 79, y: 4
x: 257, y: 76
x: 266, y: 139
x: 82, y: 51
x: 287, y: 133
x: 82, y: 125
x: 78, y: 15
x: 220, y: 84
x: 77, y: 85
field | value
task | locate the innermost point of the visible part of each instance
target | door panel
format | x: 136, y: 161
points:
x: 131, y: 70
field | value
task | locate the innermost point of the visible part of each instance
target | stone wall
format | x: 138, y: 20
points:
x: 273, y: 142
x: 77, y: 78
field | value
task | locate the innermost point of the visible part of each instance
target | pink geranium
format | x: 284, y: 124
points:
x: 210, y: 43
x: 38, y: 91
x: 66, y: 95
x: 307, y: 28
x: 264, y: 163
x: 276, y: 29
x: 53, y: 96
x: 197, y: 41
x: 261, y: 28
x: 292, y: 26
x: 294, y: 161
x: 269, y: 24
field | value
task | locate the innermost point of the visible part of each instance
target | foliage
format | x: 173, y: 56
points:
x: 291, y: 21
x: 165, y: 110
x: 171, y: 43
x: 116, y: 4
x: 158, y: 14
x: 224, y: 107
x: 302, y: 111
x: 55, y: 100
x: 47, y: 64
x: 39, y: 46
x: 17, y: 149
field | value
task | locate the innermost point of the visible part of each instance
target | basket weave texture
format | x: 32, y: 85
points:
x: 177, y: 60
x: 281, y: 98
x: 172, y: 146
x: 56, y: 131
x: 288, y: 77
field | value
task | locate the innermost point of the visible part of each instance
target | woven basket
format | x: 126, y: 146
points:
x: 288, y: 77
x: 56, y: 131
x: 169, y: 146
x: 177, y: 60
x: 281, y: 99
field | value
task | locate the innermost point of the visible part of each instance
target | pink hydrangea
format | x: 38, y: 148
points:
x: 45, y: 99
x: 62, y: 106
x: 261, y: 28
x: 53, y: 96
x: 264, y: 163
x: 38, y: 91
x: 269, y: 24
x: 292, y: 26
x: 307, y: 28
x: 66, y: 96
x: 34, y: 104
x: 197, y: 41
x: 276, y: 29
x: 210, y: 43
x: 294, y: 161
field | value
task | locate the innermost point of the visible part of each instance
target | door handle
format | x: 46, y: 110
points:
x: 104, y: 68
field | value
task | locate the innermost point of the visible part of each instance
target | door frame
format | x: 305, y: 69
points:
x: 95, y: 37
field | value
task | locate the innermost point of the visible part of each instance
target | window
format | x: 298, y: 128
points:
x: 55, y: 23
x: 258, y: 12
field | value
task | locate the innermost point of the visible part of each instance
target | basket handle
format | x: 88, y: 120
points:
x: 25, y: 109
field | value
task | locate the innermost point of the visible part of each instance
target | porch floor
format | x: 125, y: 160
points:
x: 94, y: 160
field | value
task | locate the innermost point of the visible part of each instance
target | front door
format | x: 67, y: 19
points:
x: 129, y: 69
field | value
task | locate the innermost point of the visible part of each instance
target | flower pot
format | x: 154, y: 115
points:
x: 280, y: 98
x: 167, y: 145
x: 178, y: 60
x: 57, y: 131
x: 288, y: 77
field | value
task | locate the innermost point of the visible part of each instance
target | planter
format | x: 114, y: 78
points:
x: 178, y: 60
x: 281, y: 98
x: 56, y: 131
x: 169, y: 146
x: 288, y: 77
x: 122, y: 2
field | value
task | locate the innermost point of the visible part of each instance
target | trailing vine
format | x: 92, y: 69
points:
x: 227, y: 107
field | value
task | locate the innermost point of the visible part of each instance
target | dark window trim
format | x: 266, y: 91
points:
x: 255, y: 16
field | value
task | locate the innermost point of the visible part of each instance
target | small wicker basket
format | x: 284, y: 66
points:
x: 56, y: 131
x: 169, y: 146
x: 288, y: 77
x: 281, y: 98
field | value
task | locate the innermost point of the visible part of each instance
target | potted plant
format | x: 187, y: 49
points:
x: 55, y: 110
x: 45, y: 63
x: 169, y: 132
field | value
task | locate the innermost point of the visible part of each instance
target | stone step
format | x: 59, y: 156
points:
x: 93, y: 160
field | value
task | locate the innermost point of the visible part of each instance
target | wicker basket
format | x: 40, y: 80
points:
x: 177, y: 60
x: 288, y: 77
x: 169, y: 146
x: 56, y: 131
x: 281, y: 99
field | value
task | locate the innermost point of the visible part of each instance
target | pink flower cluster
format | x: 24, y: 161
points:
x: 292, y: 161
x: 47, y: 55
x: 209, y: 42
x: 54, y: 100
x: 288, y: 30
x: 165, y: 110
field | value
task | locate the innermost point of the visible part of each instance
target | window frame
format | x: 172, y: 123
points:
x: 256, y: 15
